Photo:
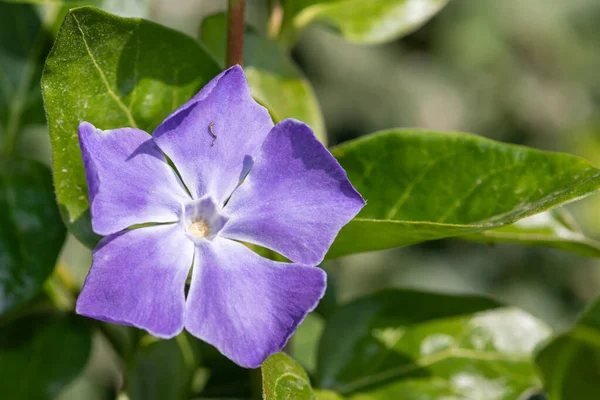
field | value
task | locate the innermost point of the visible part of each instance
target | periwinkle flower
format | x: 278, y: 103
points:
x: 242, y: 180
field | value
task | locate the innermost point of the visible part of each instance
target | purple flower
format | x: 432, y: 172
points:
x: 242, y: 180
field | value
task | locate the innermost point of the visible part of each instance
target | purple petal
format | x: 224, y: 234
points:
x: 210, y: 165
x: 295, y: 199
x: 138, y: 278
x: 245, y: 305
x: 129, y: 181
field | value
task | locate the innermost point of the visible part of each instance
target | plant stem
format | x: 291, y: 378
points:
x: 235, y: 33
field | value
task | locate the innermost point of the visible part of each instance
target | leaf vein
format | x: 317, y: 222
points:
x: 409, y: 188
x: 473, y: 188
x: 112, y: 94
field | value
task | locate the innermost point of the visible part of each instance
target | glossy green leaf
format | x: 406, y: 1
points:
x: 374, y: 21
x: 113, y: 72
x: 161, y: 371
x: 275, y: 80
x: 283, y: 379
x: 570, y: 363
x: 41, y: 355
x: 400, y: 344
x: 423, y: 186
x: 545, y: 229
x: 31, y: 230
x: 23, y: 45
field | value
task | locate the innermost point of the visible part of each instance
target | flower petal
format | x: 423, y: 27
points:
x: 129, y: 180
x: 210, y: 165
x: 138, y: 278
x: 245, y: 305
x: 295, y: 199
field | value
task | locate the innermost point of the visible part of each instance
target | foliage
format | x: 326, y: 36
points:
x: 570, y: 362
x: 420, y: 185
x: 425, y: 185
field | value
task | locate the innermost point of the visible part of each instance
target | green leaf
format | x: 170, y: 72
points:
x: 283, y: 379
x: 275, y: 80
x: 226, y: 379
x: 327, y: 395
x: 31, y: 230
x: 305, y: 342
x: 545, y: 229
x: 423, y: 186
x: 161, y: 371
x: 40, y: 355
x: 570, y: 363
x: 113, y: 72
x: 359, y: 21
x: 23, y: 45
x: 401, y: 344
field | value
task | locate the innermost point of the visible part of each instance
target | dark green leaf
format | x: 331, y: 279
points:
x: 373, y: 21
x: 112, y: 72
x: 275, y: 80
x: 328, y: 304
x: 422, y: 186
x: 413, y: 345
x: 226, y: 379
x: 41, y: 355
x: 545, y: 229
x: 31, y: 230
x: 23, y: 45
x: 283, y: 379
x: 161, y: 371
x: 570, y: 363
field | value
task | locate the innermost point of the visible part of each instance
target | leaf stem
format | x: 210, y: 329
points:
x: 235, y: 33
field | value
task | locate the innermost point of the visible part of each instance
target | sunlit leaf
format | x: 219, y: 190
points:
x: 373, y: 21
x: 283, y: 379
x: 113, y: 72
x: 423, y: 185
x: 414, y: 345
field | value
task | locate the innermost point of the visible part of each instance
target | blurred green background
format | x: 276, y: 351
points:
x: 525, y: 72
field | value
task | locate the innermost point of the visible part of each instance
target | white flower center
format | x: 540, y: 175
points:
x: 199, y: 229
x: 202, y: 219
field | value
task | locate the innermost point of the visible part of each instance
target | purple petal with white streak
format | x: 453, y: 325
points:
x: 138, y: 278
x: 129, y: 180
x: 208, y: 164
x: 245, y: 305
x: 295, y: 199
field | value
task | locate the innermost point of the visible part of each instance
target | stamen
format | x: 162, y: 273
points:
x: 199, y: 229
